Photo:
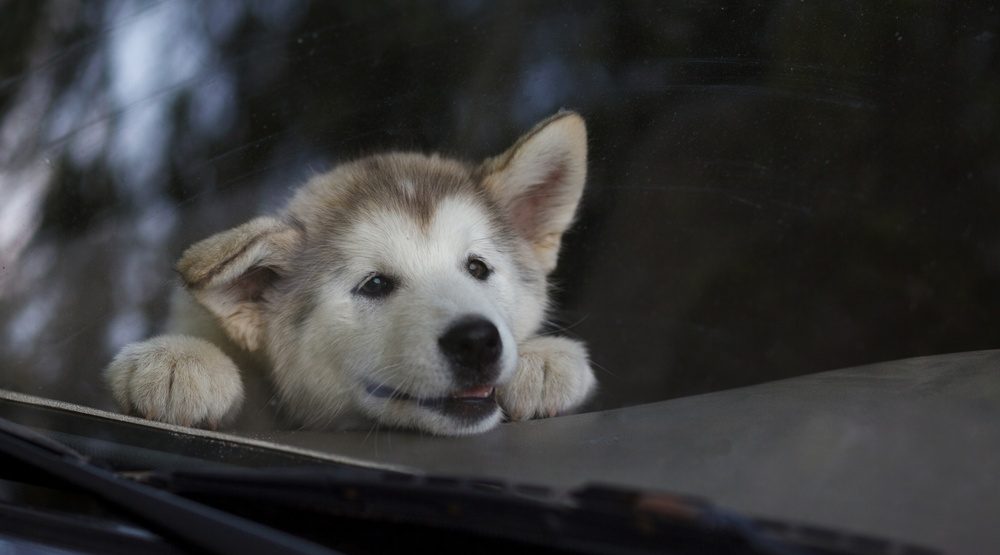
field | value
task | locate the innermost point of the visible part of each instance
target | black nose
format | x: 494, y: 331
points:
x: 473, y: 346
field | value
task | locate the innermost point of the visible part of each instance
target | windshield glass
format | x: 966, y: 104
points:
x: 772, y: 190
x: 648, y: 230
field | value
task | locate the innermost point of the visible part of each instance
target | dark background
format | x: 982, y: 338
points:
x: 775, y: 189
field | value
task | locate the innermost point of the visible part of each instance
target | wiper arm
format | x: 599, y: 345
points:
x: 196, y: 525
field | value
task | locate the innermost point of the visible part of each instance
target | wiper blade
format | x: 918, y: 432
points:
x: 195, y: 525
x: 595, y: 519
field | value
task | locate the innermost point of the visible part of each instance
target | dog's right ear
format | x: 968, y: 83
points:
x: 538, y: 182
x: 231, y: 272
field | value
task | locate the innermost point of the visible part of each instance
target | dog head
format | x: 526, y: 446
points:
x: 398, y: 286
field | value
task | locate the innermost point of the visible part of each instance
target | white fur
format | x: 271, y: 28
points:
x: 550, y: 366
x: 178, y: 379
x: 393, y: 342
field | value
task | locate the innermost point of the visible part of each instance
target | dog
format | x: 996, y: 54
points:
x: 402, y: 289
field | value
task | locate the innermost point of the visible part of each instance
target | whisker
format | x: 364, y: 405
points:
x: 562, y: 329
x: 370, y: 430
x: 601, y: 367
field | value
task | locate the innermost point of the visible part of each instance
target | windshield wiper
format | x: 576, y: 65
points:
x: 594, y: 519
x: 221, y: 510
x: 193, y: 524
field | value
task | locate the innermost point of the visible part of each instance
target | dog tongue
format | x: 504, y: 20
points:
x: 480, y: 392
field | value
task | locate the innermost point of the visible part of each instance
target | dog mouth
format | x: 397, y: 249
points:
x: 470, y: 405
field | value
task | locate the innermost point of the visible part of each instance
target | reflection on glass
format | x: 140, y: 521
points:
x: 774, y: 190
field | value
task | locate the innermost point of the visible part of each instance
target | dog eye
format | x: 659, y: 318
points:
x: 478, y: 269
x: 376, y: 286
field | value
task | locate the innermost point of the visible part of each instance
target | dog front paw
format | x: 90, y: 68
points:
x: 176, y: 379
x: 552, y: 377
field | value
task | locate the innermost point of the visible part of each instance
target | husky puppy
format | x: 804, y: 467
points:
x: 400, y: 288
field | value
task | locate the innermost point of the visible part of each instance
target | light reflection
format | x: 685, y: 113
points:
x: 135, y: 128
x: 545, y: 86
x: 278, y: 15
x: 220, y: 18
x: 213, y: 105
x: 126, y: 327
x: 22, y: 192
x: 114, y: 115
x: 138, y: 149
x: 151, y: 61
x: 26, y: 326
x: 155, y: 223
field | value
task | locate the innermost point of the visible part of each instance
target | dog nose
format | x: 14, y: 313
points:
x: 473, y: 346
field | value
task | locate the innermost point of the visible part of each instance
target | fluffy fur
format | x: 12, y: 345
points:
x: 288, y: 296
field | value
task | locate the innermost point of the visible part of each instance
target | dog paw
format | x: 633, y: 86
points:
x: 553, y: 376
x: 176, y: 379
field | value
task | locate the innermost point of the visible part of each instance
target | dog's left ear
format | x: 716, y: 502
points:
x: 539, y: 181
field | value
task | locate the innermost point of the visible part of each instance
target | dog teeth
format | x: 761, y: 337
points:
x: 481, y: 392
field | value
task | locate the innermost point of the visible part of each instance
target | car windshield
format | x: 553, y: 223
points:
x: 773, y: 189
